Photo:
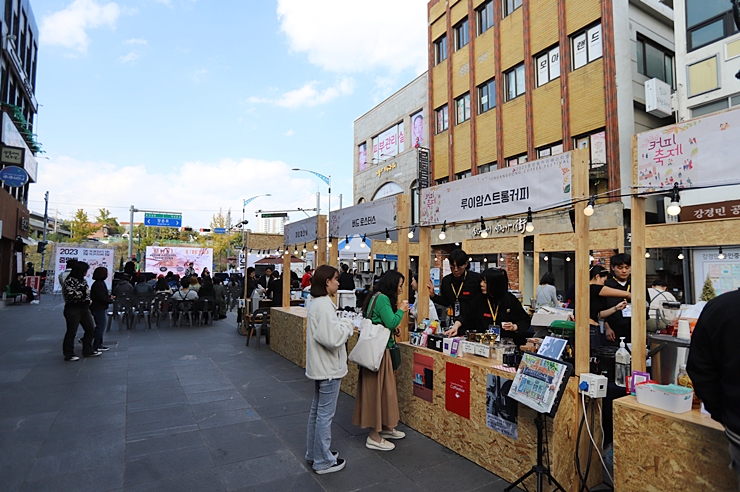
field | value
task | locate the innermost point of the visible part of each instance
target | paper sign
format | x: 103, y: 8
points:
x: 501, y: 410
x: 457, y: 391
x: 424, y: 377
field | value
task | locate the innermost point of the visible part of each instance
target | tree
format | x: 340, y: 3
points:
x: 104, y: 218
x: 707, y: 292
x: 81, y: 227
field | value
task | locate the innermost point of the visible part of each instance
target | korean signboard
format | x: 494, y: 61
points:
x: 538, y: 184
x: 422, y: 156
x: 12, y: 137
x: 176, y: 260
x: 303, y: 231
x: 365, y: 218
x: 698, y: 152
x: 95, y: 257
x: 710, y: 211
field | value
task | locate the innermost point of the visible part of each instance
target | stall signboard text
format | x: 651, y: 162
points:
x: 457, y: 391
x: 724, y: 274
x: 538, y: 184
x: 700, y: 152
x: 95, y: 257
x: 163, y: 259
x: 302, y: 231
x: 365, y: 218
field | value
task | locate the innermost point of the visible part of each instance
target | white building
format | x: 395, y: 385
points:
x: 272, y: 225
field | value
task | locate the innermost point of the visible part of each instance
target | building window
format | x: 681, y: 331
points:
x: 547, y: 64
x: 442, y: 181
x: 487, y: 168
x: 517, y: 159
x: 487, y: 96
x: 461, y: 34
x: 510, y: 6
x: 712, y: 107
x: 462, y: 108
x: 463, y: 175
x: 596, y: 143
x: 485, y: 17
x: 654, y: 61
x: 442, y: 119
x: 551, y: 149
x: 586, y: 46
x: 515, y: 82
x: 703, y: 76
x: 388, y: 144
x: 440, y: 49
x: 708, y: 21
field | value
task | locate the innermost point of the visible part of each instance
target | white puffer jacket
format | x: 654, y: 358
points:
x: 326, y: 335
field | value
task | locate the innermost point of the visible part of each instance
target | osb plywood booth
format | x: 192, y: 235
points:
x: 288, y: 333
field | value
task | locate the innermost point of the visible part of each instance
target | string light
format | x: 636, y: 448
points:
x: 442, y: 234
x: 296, y: 250
x: 387, y: 237
x: 675, y: 207
x: 567, y: 258
x: 316, y: 244
x: 483, y: 231
x: 530, y: 225
x: 647, y: 254
x: 411, y: 232
x: 546, y: 258
x: 346, y: 242
x: 680, y: 256
x: 304, y: 248
x: 589, y: 210
x: 485, y: 260
x: 721, y: 255
x: 362, y: 244
x: 331, y: 240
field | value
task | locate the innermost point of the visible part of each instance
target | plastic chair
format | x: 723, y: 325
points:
x: 161, y: 307
x: 143, y: 306
x: 123, y: 309
x: 205, y: 309
x: 184, y: 309
x: 260, y: 320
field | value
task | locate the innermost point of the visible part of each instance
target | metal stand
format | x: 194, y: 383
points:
x: 539, y: 469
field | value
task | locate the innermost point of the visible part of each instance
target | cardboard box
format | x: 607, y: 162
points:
x: 545, y: 318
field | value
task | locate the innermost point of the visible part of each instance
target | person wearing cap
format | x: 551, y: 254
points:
x: 306, y: 280
x: 459, y: 292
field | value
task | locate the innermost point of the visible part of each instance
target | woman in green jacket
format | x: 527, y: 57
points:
x: 376, y: 403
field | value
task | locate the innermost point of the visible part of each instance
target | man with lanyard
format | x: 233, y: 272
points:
x: 458, y: 292
x: 619, y: 323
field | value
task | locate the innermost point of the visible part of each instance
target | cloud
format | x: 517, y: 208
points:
x: 129, y: 57
x: 388, y: 35
x: 68, y: 27
x: 309, y: 95
x: 197, y: 75
x: 221, y: 184
x: 135, y: 41
x: 289, y: 133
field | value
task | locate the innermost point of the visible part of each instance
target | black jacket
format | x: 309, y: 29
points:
x: 275, y: 287
x: 714, y: 359
x: 346, y: 281
x: 510, y: 310
x: 469, y: 294
x: 99, y: 296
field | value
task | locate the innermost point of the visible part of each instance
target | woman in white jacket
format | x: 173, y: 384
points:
x: 326, y: 364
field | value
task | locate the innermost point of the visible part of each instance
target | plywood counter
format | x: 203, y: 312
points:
x: 656, y: 450
x: 288, y: 333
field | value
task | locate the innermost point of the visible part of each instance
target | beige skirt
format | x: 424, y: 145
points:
x: 376, y: 403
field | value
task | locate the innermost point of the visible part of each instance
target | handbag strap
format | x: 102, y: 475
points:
x: 371, y: 307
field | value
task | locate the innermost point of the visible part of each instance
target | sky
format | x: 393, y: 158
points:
x: 192, y: 106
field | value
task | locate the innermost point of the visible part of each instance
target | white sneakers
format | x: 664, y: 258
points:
x: 383, y: 445
x: 392, y: 434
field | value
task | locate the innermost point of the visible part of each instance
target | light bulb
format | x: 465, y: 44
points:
x: 362, y: 244
x: 567, y: 258
x: 530, y: 225
x: 721, y: 255
x: 412, y: 259
x: 442, y: 235
x: 484, y: 233
x: 673, y: 209
x: 589, y: 210
x: 485, y: 260
x: 328, y: 243
x: 388, y: 241
x: 680, y: 256
x: 457, y: 244
x: 411, y: 234
x: 546, y: 258
x: 346, y: 242
x: 315, y: 245
x: 647, y: 254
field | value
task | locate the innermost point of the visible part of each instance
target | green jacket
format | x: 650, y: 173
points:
x: 383, y: 315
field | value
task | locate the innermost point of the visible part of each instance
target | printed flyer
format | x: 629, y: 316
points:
x: 457, y: 391
x: 501, y: 409
x: 537, y: 382
x: 424, y: 377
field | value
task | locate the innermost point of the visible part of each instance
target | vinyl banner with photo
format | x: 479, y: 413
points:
x: 95, y: 257
x: 389, y: 143
x: 699, y: 152
x: 538, y: 184
x: 302, y: 231
x: 163, y: 259
x: 365, y: 218
x: 501, y: 410
x: 417, y: 129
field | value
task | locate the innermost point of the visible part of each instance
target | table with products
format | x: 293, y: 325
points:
x: 659, y: 450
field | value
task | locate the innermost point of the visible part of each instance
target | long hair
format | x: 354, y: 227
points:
x: 497, y: 283
x: 388, y: 285
x: 79, y: 270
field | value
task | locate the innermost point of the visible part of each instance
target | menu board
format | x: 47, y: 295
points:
x: 539, y: 382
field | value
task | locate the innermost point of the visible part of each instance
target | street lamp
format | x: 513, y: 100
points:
x: 325, y: 179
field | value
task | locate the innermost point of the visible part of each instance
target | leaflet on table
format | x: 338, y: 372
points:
x: 537, y: 382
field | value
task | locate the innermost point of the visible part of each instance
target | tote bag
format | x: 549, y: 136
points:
x: 371, y: 344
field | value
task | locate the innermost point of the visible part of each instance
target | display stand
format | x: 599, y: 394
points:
x: 539, y: 384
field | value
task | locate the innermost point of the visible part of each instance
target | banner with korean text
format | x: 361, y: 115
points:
x: 302, y: 231
x: 365, y: 218
x: 699, y: 152
x: 538, y: 184
x: 163, y: 259
x: 95, y: 257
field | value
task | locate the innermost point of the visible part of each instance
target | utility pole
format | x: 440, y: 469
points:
x: 46, y: 221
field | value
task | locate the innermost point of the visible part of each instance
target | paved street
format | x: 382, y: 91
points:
x: 182, y: 409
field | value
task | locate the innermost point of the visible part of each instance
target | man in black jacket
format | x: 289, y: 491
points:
x: 458, y: 292
x: 18, y: 286
x: 346, y: 280
x: 619, y: 323
x: 714, y: 365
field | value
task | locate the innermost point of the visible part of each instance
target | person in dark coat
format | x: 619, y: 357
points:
x: 458, y: 292
x: 99, y: 301
x: 275, y: 290
x: 346, y: 280
x: 499, y: 307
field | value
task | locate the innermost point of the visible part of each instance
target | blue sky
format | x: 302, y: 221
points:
x: 192, y: 106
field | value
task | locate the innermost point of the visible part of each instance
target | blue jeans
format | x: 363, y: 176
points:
x: 100, y: 320
x: 323, y: 407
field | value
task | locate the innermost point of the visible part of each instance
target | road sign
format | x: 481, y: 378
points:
x: 162, y: 220
x: 275, y: 215
x: 219, y: 230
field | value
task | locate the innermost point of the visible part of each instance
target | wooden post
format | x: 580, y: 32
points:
x: 333, y: 253
x: 579, y: 170
x: 286, y: 278
x: 320, y: 254
x: 425, y: 259
x: 638, y: 280
x: 246, y: 262
x: 536, y: 267
x: 520, y: 255
x: 403, y: 222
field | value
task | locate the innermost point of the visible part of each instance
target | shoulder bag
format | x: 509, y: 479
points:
x: 371, y: 344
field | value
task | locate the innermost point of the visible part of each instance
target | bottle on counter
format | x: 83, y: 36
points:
x: 623, y: 365
x: 683, y: 379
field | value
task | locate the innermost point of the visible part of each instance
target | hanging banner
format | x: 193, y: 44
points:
x: 457, y: 391
x: 501, y: 411
x: 699, y: 152
x: 365, y: 218
x: 95, y: 257
x: 538, y: 184
x: 723, y: 275
x: 176, y: 260
x: 424, y: 377
x: 302, y: 231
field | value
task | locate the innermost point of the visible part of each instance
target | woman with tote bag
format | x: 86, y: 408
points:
x: 376, y: 403
x: 326, y: 364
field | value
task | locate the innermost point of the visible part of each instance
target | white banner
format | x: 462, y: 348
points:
x: 365, y: 218
x: 538, y: 184
x: 95, y: 257
x: 163, y: 259
x: 698, y: 152
x: 303, y: 231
